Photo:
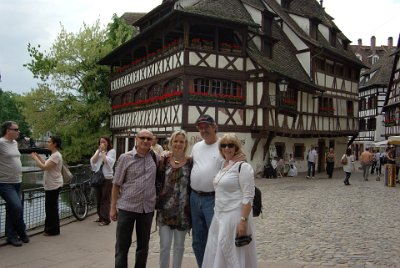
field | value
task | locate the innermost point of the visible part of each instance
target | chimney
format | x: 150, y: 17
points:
x: 390, y: 42
x: 373, y: 42
x: 360, y: 42
x: 321, y: 2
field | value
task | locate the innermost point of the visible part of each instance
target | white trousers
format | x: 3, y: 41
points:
x: 166, y: 235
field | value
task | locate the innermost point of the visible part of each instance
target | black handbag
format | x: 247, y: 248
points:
x: 241, y: 241
x: 97, y: 178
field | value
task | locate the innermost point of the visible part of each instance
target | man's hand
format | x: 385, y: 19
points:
x: 113, y: 214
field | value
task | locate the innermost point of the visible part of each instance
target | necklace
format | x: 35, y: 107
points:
x: 177, y: 161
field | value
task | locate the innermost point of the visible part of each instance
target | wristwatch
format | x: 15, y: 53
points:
x: 243, y: 218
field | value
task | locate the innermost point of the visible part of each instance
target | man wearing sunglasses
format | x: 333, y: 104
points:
x: 133, y: 199
x: 10, y: 184
x: 207, y: 162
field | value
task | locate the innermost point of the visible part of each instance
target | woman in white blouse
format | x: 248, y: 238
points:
x: 52, y: 182
x: 234, y: 193
x: 104, y: 158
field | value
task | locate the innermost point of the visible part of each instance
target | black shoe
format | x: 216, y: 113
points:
x: 14, y: 241
x: 25, y: 239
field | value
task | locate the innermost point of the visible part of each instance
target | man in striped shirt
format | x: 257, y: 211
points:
x: 133, y: 199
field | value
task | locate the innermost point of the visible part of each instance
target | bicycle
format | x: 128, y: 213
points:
x: 82, y: 199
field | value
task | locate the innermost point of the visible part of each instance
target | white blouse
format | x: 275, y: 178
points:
x: 107, y: 169
x: 233, y: 189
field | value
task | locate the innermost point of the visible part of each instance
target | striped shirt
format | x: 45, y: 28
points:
x: 136, y: 175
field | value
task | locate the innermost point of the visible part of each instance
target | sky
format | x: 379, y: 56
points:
x: 38, y: 22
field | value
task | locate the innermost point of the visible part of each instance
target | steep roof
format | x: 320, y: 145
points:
x: 132, y: 17
x: 230, y: 10
x: 311, y: 9
x: 284, y: 61
x: 380, y: 72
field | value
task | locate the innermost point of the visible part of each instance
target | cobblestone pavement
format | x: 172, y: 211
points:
x: 321, y: 222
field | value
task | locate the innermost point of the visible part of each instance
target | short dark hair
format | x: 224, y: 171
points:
x: 6, y: 125
x: 57, y: 141
x: 109, y: 147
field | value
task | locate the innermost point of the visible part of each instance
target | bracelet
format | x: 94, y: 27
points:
x: 243, y: 218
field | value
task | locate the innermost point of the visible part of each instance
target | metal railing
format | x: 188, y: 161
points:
x: 34, y: 200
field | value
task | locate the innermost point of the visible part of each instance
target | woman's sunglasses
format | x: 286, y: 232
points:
x: 229, y: 145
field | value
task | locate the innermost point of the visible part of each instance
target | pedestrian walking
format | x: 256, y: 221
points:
x: 103, y: 160
x: 330, y: 162
x: 378, y: 167
x: 366, y: 162
x: 348, y: 165
x: 52, y: 182
x: 10, y: 184
x: 133, y: 199
x: 311, y: 161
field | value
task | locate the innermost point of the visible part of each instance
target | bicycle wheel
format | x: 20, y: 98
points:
x: 92, y: 198
x: 79, y: 206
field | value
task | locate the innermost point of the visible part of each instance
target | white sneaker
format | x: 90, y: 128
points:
x: 308, y: 177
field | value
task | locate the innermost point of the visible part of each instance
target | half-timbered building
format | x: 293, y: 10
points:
x: 392, y: 102
x: 279, y: 73
x: 373, y: 89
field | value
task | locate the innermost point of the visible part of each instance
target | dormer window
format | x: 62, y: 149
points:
x: 375, y: 59
x: 314, y: 29
x: 268, y: 40
x: 286, y: 3
x: 332, y: 37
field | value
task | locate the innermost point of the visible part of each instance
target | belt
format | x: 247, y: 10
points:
x: 204, y: 193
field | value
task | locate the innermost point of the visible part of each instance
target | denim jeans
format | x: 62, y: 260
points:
x: 202, y: 211
x: 126, y: 222
x: 311, y: 169
x: 347, y: 177
x: 365, y: 168
x: 15, y: 226
x: 52, y: 221
x: 166, y: 235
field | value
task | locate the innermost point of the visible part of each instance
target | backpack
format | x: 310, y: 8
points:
x: 344, y: 160
x: 382, y: 159
x: 257, y: 200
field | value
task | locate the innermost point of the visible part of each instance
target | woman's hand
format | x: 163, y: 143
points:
x: 241, y: 228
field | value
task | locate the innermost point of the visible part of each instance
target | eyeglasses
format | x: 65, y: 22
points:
x: 15, y: 129
x: 145, y: 138
x: 229, y: 145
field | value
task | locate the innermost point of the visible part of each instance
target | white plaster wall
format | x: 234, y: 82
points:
x: 257, y: 42
x: 329, y: 81
x: 302, y: 22
x: 254, y: 13
x: 304, y: 59
x: 324, y: 31
x: 321, y: 79
x: 296, y: 41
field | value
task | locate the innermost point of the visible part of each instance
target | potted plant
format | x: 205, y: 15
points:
x: 195, y: 42
x: 208, y: 44
x: 225, y: 47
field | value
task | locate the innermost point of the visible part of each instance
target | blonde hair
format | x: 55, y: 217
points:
x: 173, y: 136
x: 231, y: 138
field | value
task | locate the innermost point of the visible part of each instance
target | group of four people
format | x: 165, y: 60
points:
x: 209, y: 192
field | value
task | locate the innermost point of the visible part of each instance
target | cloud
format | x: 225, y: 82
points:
x: 38, y: 22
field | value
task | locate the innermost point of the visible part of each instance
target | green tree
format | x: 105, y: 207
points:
x: 73, y: 99
x: 11, y: 109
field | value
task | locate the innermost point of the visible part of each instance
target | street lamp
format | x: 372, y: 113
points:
x: 283, y: 84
